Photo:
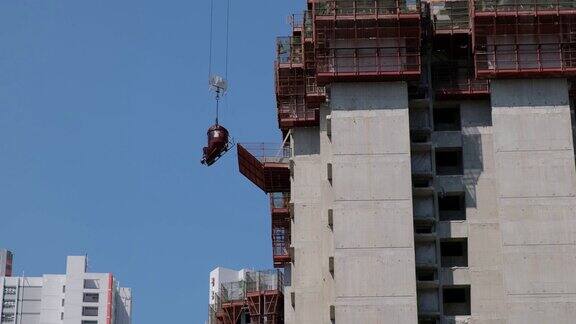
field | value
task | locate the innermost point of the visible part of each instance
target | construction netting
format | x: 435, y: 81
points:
x: 255, y: 281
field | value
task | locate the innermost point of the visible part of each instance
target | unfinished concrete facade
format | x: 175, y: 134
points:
x: 424, y: 196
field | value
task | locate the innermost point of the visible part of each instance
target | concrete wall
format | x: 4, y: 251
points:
x: 536, y: 188
x: 310, y: 277
x: 482, y: 227
x: 373, y: 229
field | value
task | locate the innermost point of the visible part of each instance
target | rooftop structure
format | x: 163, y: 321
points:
x: 76, y: 297
x: 6, y: 259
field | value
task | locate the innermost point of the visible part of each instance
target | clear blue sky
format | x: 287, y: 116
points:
x: 103, y: 112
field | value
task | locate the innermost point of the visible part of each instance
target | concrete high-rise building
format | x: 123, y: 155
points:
x: 6, y: 259
x: 77, y: 297
x: 427, y: 173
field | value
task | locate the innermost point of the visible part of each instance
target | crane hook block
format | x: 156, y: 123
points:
x: 218, y: 144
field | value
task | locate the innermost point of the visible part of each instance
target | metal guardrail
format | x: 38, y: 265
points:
x: 451, y: 15
x: 255, y: 281
x: 343, y: 8
x: 279, y: 199
x: 508, y: 6
x: 289, y: 50
x: 268, y: 152
x: 368, y: 60
x: 521, y: 57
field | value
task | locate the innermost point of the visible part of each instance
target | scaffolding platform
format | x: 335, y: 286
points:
x: 265, y: 165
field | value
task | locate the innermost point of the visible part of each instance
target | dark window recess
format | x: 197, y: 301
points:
x: 456, y: 301
x: 447, y: 119
x: 424, y: 228
x: 454, y: 253
x: 419, y: 138
x: 452, y: 207
x: 91, y: 284
x: 420, y: 183
x: 427, y: 321
x: 449, y: 162
x: 89, y: 311
x: 91, y: 298
x: 425, y: 274
x: 89, y: 322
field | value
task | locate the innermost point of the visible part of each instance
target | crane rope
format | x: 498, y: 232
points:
x: 227, y: 37
x: 220, y: 89
x: 211, y: 28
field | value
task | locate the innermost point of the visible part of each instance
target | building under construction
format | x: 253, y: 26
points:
x: 246, y: 297
x: 428, y: 171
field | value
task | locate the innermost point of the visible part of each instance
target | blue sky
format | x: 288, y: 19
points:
x: 104, y: 107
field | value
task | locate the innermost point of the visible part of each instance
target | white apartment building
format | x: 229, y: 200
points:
x: 77, y: 297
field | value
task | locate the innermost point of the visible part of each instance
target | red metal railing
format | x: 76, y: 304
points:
x: 265, y: 165
x: 268, y: 152
x: 289, y: 82
x: 368, y: 62
x: 357, y: 8
x: 280, y: 244
x: 451, y: 80
x: 313, y: 89
x: 520, y: 58
x: 524, y: 6
x: 289, y: 51
x: 279, y: 200
x: 294, y: 112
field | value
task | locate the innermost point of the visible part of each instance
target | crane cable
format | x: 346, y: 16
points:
x: 218, y: 90
x: 211, y: 28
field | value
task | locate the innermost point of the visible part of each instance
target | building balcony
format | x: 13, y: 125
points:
x: 265, y: 165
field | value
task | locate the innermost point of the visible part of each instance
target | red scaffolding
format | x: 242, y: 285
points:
x: 366, y: 40
x: 451, y: 16
x: 259, y: 296
x: 281, y: 224
x: 525, y: 38
x: 266, y: 165
x: 453, y: 75
x: 297, y: 92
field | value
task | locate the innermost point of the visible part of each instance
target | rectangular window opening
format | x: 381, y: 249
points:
x: 421, y: 183
x: 91, y: 297
x: 456, y: 301
x: 454, y: 253
x: 89, y: 311
x: 452, y: 207
x: 447, y: 119
x: 424, y: 228
x: 449, y: 162
x: 91, y: 284
x: 425, y: 274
